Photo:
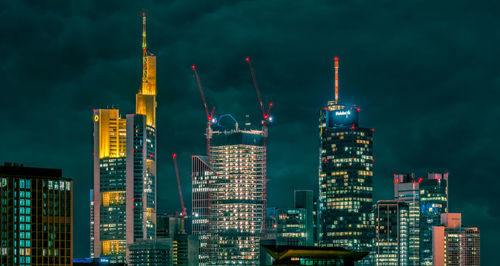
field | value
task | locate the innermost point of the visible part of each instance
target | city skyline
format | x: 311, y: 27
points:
x: 288, y: 82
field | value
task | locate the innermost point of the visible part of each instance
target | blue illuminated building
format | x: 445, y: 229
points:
x: 433, y: 202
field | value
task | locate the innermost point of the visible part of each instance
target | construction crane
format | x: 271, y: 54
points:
x: 266, y: 117
x: 210, y: 114
x: 174, y: 157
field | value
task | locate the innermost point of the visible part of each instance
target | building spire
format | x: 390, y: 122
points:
x: 144, y: 51
x: 336, y: 79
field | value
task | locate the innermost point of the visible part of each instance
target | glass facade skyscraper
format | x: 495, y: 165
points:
x: 391, y: 224
x: 123, y: 197
x: 36, y: 217
x: 202, y: 179
x: 433, y: 203
x: 345, y: 179
x: 406, y: 189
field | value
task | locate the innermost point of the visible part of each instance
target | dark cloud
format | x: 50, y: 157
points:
x: 424, y: 73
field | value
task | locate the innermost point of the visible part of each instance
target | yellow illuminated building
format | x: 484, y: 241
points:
x: 112, y: 133
x: 123, y: 203
x: 146, y: 98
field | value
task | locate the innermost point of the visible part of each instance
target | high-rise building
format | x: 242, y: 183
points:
x: 406, y: 189
x: 291, y: 226
x: 271, y: 224
x: 345, y: 177
x: 433, y: 202
x: 304, y: 199
x: 185, y: 249
x: 150, y: 252
x: 202, y: 185
x: 123, y: 197
x: 454, y: 244
x: 392, y: 224
x: 237, y: 204
x: 36, y: 218
x: 316, y: 223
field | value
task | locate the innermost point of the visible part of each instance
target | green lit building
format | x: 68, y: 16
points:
x: 294, y: 255
x: 36, y: 218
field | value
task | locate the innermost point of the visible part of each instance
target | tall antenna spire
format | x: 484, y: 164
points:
x: 336, y: 79
x: 144, y: 51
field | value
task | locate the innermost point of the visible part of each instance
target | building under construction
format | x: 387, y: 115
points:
x: 229, y: 189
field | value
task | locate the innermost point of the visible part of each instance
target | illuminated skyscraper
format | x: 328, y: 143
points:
x: 391, y: 226
x: 433, y: 203
x: 453, y: 244
x: 345, y: 177
x: 305, y: 199
x: 123, y: 198
x: 202, y: 186
x: 36, y: 218
x: 406, y: 189
x: 237, y: 204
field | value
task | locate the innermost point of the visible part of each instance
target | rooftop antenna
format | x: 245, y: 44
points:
x: 336, y: 79
x: 144, y: 51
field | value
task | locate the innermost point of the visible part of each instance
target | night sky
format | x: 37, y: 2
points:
x: 425, y: 74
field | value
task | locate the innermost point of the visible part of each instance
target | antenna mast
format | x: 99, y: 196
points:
x: 144, y: 51
x: 336, y: 79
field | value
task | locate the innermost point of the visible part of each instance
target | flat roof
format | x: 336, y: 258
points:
x: 285, y: 252
x: 15, y: 169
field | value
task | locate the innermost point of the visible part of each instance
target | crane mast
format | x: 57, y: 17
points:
x: 208, y: 114
x: 174, y: 157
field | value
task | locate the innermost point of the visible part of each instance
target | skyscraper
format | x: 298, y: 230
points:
x: 237, y: 205
x: 303, y: 199
x: 202, y: 180
x: 454, y: 244
x: 291, y: 227
x: 391, y: 226
x: 123, y: 197
x: 406, y: 189
x: 36, y: 217
x: 345, y: 177
x: 433, y: 202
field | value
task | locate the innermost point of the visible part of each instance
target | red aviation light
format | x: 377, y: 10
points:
x: 358, y: 109
x: 270, y: 104
x: 336, y: 58
x: 324, y: 108
x: 151, y: 155
x: 396, y: 180
x: 353, y: 127
x: 193, y: 67
x: 420, y: 180
x: 325, y: 160
x: 174, y: 155
x: 247, y: 59
x: 143, y: 14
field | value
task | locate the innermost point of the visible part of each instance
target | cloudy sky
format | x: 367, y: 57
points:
x: 425, y: 74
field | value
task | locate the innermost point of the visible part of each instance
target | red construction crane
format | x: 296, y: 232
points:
x: 265, y: 115
x: 174, y: 157
x: 209, y: 114
x: 266, y: 118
